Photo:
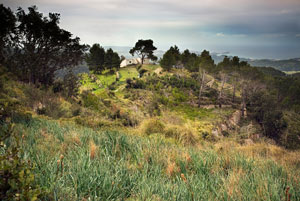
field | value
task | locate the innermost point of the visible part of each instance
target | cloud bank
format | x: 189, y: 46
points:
x: 260, y: 29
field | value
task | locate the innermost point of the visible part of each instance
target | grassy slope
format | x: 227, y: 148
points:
x: 127, y: 164
x: 115, y: 166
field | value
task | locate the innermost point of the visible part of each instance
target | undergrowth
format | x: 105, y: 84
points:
x: 80, y: 163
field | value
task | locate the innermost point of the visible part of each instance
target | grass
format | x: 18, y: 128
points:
x: 105, y: 79
x: 113, y: 166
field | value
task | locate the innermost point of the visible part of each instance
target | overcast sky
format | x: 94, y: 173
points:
x: 249, y: 28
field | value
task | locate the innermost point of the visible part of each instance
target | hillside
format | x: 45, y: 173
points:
x: 146, y: 139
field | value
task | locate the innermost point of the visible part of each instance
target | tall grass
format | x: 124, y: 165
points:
x: 114, y: 166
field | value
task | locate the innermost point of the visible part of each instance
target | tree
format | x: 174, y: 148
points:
x: 40, y: 47
x: 206, y: 61
x: 95, y: 58
x: 111, y: 59
x: 168, y: 61
x: 70, y: 83
x: 202, y: 84
x: 185, y: 56
x: 7, y: 29
x: 144, y: 49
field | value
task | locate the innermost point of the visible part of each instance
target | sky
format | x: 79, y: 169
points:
x: 246, y: 28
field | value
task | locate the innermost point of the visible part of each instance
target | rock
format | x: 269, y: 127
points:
x: 235, y: 118
x: 248, y: 142
x: 224, y: 127
x: 208, y: 106
x: 255, y: 137
x: 215, y: 133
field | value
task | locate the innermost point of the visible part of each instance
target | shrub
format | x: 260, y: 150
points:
x: 16, y: 175
x: 135, y: 84
x: 153, y: 126
x: 91, y: 101
x: 142, y: 72
x: 183, y: 134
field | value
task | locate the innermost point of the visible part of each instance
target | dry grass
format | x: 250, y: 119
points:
x: 171, y: 168
x: 93, y: 149
x: 232, y: 182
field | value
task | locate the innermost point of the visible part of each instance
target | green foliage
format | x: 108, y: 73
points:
x: 39, y: 47
x: 16, y: 174
x: 95, y: 58
x: 291, y: 136
x: 170, y: 59
x: 147, y: 168
x: 206, y: 62
x: 7, y: 29
x: 179, y: 96
x: 91, y: 101
x: 145, y: 49
x: 111, y: 59
x: 265, y: 111
x: 153, y: 126
x: 70, y: 84
x: 135, y: 84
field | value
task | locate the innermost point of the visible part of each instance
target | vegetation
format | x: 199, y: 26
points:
x: 99, y: 60
x: 34, y: 47
x: 144, y: 49
x: 186, y: 129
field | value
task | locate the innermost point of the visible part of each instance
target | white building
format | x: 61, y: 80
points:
x: 133, y: 61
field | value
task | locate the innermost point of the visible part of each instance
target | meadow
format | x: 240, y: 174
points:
x: 79, y: 163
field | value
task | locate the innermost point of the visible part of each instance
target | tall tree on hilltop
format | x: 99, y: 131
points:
x: 95, y: 58
x: 144, y: 49
x: 39, y: 47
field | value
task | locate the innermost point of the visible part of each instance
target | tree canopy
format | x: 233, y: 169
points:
x: 144, y: 49
x: 98, y: 59
x: 34, y: 47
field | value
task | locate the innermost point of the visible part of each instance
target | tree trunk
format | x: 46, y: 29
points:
x: 221, y: 90
x: 143, y: 57
x: 243, y: 101
x: 234, y: 89
x: 201, y: 87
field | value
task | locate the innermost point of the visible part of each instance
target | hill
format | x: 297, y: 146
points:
x: 146, y: 139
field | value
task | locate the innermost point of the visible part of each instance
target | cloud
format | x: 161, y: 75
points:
x: 190, y: 23
x: 297, y: 35
x: 220, y: 34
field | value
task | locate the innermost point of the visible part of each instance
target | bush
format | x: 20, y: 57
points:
x: 182, y: 134
x: 17, y: 178
x: 91, y: 101
x: 135, y: 84
x: 153, y: 126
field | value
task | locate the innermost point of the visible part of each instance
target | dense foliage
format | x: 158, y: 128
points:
x: 34, y: 47
x: 144, y: 49
x: 99, y: 60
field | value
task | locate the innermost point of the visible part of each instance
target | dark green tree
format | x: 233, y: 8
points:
x: 7, y: 30
x: 206, y: 61
x: 168, y: 61
x: 40, y: 47
x: 96, y: 58
x: 185, y: 56
x: 144, y: 49
x: 70, y: 84
x: 112, y: 59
